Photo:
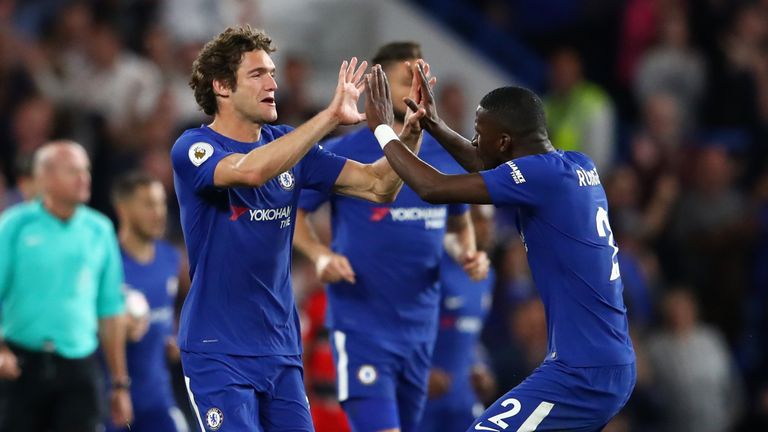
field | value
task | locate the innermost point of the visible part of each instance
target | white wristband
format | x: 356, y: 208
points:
x: 384, y: 134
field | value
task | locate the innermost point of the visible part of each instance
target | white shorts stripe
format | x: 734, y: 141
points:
x: 537, y: 416
x: 194, y: 405
x: 339, y: 340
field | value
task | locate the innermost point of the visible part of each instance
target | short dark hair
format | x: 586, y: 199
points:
x: 126, y: 185
x: 516, y: 108
x: 397, y: 52
x: 219, y: 60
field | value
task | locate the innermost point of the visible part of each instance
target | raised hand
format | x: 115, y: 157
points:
x: 348, y: 90
x: 426, y: 98
x: 412, y: 123
x: 378, y: 99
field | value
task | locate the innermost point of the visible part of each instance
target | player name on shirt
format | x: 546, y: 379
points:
x: 588, y: 178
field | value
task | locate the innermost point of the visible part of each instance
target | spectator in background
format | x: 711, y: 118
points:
x: 60, y: 282
x: 673, y: 67
x: 15, y: 86
x: 152, y: 269
x: 174, y: 61
x: 709, y: 238
x: 739, y: 84
x: 118, y: 87
x: 579, y: 113
x: 694, y: 374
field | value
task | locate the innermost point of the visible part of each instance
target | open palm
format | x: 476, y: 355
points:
x: 348, y: 91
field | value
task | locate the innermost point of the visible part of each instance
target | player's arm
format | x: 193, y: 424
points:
x: 330, y: 266
x: 378, y: 182
x: 265, y: 162
x: 9, y: 367
x: 430, y: 184
x: 110, y: 307
x: 460, y: 244
x: 459, y: 147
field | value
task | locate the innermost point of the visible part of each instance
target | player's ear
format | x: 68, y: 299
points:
x: 505, y: 142
x: 220, y: 88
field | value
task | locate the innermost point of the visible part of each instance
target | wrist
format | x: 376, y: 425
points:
x: 384, y: 135
x: 330, y: 116
x: 121, y: 383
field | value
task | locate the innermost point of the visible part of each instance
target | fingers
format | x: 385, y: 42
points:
x: 342, y: 72
x: 411, y: 104
x: 381, y: 81
x: 357, y: 77
x: 351, y: 69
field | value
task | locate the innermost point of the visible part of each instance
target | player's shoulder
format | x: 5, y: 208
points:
x: 167, y: 250
x: 19, y: 213
x: 271, y: 132
x: 193, y: 135
x: 581, y: 158
x: 97, y: 220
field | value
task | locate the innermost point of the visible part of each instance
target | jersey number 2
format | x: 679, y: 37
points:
x: 604, y: 230
x: 530, y: 424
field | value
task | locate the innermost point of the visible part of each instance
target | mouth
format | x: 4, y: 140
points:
x: 269, y: 101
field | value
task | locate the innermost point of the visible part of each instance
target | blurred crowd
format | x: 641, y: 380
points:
x: 674, y: 111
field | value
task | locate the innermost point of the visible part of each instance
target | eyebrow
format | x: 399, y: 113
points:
x: 261, y: 70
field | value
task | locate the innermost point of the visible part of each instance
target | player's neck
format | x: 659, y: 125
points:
x: 60, y: 209
x: 236, y: 128
x: 138, y: 247
x: 532, y: 148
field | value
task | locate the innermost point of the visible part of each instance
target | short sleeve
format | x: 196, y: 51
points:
x: 320, y: 168
x: 110, y: 301
x: 194, y: 159
x: 519, y: 182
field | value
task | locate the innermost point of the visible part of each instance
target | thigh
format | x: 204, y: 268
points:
x: 78, y: 400
x: 155, y: 420
x: 412, y: 386
x: 220, y: 397
x: 371, y: 414
x: 31, y: 396
x: 363, y: 369
x: 366, y: 378
x: 445, y: 418
x: 286, y: 408
x: 557, y: 398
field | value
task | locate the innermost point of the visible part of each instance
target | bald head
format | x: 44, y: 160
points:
x: 62, y: 172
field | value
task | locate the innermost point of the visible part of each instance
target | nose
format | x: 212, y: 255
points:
x: 271, y: 83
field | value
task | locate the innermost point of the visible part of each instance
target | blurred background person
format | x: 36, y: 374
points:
x: 152, y: 268
x: 460, y: 381
x: 579, y: 113
x: 60, y: 288
x: 695, y: 375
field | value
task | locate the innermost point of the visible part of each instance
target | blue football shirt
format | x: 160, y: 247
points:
x: 239, y: 244
x: 563, y: 220
x: 395, y: 250
x: 147, y: 366
x: 464, y: 305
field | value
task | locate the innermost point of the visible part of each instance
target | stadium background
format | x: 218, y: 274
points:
x: 670, y: 96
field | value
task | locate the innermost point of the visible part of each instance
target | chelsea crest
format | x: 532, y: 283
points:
x: 286, y: 180
x: 214, y: 418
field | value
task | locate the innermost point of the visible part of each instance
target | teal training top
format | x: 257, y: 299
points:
x: 57, y: 278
